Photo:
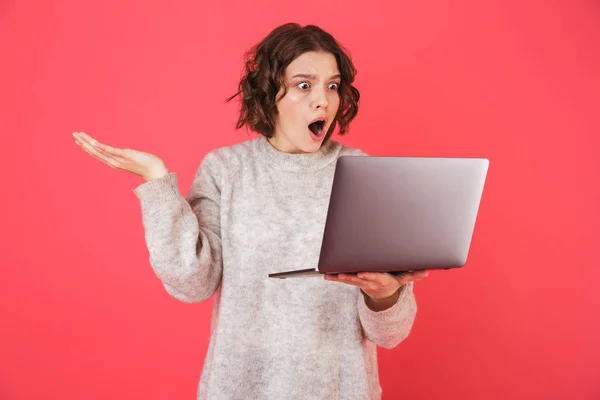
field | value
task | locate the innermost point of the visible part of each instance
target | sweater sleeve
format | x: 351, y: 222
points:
x: 389, y: 327
x: 183, y: 234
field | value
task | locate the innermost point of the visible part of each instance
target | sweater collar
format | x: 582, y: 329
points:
x: 277, y: 159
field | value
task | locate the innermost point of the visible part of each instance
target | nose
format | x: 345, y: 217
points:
x: 320, y: 99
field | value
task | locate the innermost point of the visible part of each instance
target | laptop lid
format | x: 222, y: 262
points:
x: 399, y: 214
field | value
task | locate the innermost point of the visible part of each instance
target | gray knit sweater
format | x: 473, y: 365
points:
x: 252, y: 210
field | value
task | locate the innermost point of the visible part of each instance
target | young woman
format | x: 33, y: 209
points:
x: 259, y: 207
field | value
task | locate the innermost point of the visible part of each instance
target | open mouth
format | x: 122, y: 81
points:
x: 317, y: 127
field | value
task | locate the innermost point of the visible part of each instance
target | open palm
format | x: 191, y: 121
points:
x: 146, y: 165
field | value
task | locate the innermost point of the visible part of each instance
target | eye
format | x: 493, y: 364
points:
x: 334, y: 86
x: 303, y: 85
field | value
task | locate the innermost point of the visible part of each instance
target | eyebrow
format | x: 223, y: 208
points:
x: 309, y: 76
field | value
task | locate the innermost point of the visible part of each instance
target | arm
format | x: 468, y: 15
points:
x: 391, y: 326
x: 386, y: 304
x: 183, y: 234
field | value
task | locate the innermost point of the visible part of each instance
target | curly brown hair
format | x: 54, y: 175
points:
x: 264, y: 74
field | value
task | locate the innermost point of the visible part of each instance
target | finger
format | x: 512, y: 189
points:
x: 347, y: 282
x: 84, y: 137
x: 355, y: 281
x: 102, y: 158
x: 111, y: 162
x: 377, y: 277
x: 411, y: 276
x: 418, y: 275
x: 85, y: 141
x: 102, y: 148
x: 365, y: 288
x: 111, y: 151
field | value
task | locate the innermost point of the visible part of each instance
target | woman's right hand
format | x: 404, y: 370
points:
x: 146, y: 165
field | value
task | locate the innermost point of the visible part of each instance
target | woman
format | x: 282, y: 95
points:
x: 259, y: 207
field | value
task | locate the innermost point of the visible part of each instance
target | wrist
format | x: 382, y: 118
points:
x: 381, y: 303
x: 384, y: 297
x: 157, y: 174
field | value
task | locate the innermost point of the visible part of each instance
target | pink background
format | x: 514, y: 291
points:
x: 84, y: 317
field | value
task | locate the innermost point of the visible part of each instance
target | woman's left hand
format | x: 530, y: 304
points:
x: 378, y: 285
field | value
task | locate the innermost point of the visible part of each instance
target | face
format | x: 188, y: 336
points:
x: 312, y: 80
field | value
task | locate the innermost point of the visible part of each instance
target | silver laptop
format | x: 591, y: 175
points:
x: 399, y: 214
